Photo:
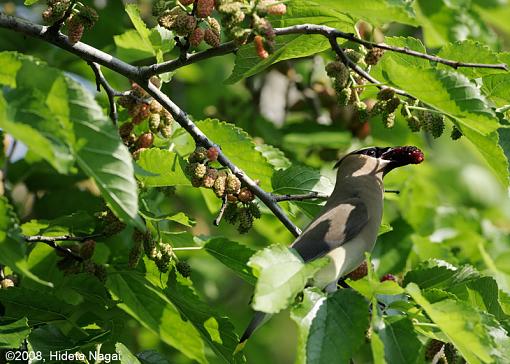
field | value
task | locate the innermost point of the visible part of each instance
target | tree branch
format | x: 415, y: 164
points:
x: 300, y: 197
x: 52, y: 242
x: 218, y: 218
x: 110, y: 91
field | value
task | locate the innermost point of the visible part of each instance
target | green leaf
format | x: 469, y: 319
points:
x: 401, y: 344
x: 12, y: 244
x: 274, y: 156
x: 49, y: 339
x: 167, y: 166
x: 12, y: 335
x: 234, y: 255
x: 467, y: 329
x: 101, y: 154
x: 126, y: 356
x: 131, y: 47
x: 299, y: 179
x: 497, y: 88
x: 338, y: 328
x: 30, y: 2
x: 9, y: 67
x: 376, y: 12
x: 370, y: 289
x: 150, y: 307
x: 39, y: 306
x: 239, y: 148
x: 134, y: 14
x: 216, y: 330
x: 313, y: 12
x: 281, y: 275
x: 152, y: 357
x: 470, y: 51
x: 303, y: 314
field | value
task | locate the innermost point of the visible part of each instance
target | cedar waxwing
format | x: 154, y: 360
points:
x: 349, y: 222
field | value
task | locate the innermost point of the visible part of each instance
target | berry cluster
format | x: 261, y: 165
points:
x: 109, y: 223
x: 81, y: 17
x: 388, y: 102
x: 141, y: 108
x: 241, y: 208
x: 69, y: 265
x: 160, y: 253
x: 196, y: 25
x: 427, y: 120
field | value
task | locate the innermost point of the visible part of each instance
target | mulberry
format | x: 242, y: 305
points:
x: 277, y: 9
x: 211, y: 37
x: 196, y: 37
x: 88, y: 16
x: 233, y: 185
x: 456, y: 133
x: 184, y: 24
x: 388, y: 120
x: 220, y: 185
x: 87, y: 249
x: 75, y: 29
x: 358, y: 273
x: 145, y: 140
x: 212, y: 154
x: 245, y: 195
x: 154, y: 122
x: 373, y: 56
x: 258, y: 41
x: 245, y: 220
x: 183, y: 268
x: 214, y: 25
x: 386, y: 94
x: 186, y: 2
x: 210, y: 177
x: 414, y: 123
x: 204, y: 8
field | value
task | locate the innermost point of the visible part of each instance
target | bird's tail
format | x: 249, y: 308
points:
x: 258, y: 319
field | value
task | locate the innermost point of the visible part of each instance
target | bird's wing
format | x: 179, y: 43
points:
x: 332, y: 229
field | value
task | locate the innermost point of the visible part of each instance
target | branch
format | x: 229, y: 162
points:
x: 110, y: 91
x: 46, y: 239
x: 224, y: 204
x: 301, y: 197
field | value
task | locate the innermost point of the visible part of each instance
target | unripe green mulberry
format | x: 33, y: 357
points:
x: 392, y: 105
x: 344, y: 96
x: 373, y: 56
x: 220, y: 185
x: 210, y: 177
x: 386, y: 94
x: 353, y: 55
x: 456, y: 133
x: 158, y: 7
x: 154, y: 122
x: 245, y: 220
x: 388, y: 120
x: 337, y: 69
x: 230, y: 214
x: 59, y: 8
x: 204, y: 8
x: 87, y: 249
x: 196, y: 37
x: 437, y: 125
x: 233, y: 184
x: 414, y: 123
x: 361, y: 108
x: 183, y: 268
x: 199, y: 155
x: 254, y: 210
x: 155, y: 107
x: 211, y: 38
x: 165, y: 130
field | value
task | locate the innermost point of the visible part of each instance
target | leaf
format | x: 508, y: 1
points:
x: 467, y: 329
x: 274, y: 156
x: 496, y: 88
x: 150, y: 307
x: 152, y: 357
x: 9, y: 67
x: 49, y: 340
x: 101, y: 154
x: 299, y: 179
x: 166, y: 165
x: 134, y: 15
x: 376, y: 12
x: 180, y: 218
x: 126, y: 356
x: 303, y: 314
x: 401, y: 344
x: 131, y: 47
x: 338, y: 329
x: 248, y: 63
x: 12, y: 244
x: 239, y: 148
x: 470, y: 51
x: 216, y: 330
x: 235, y: 256
x: 370, y: 289
x: 30, y: 2
x: 12, y: 335
x: 281, y: 276
x: 39, y: 306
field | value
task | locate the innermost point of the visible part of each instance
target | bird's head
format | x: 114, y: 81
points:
x: 388, y: 158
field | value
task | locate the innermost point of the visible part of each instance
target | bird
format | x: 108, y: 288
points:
x: 348, y: 224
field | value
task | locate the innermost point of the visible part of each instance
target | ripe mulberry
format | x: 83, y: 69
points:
x: 211, y: 37
x: 258, y: 41
x: 74, y: 29
x: 204, y: 8
x: 196, y: 37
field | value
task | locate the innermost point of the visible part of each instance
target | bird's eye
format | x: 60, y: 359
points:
x: 371, y: 153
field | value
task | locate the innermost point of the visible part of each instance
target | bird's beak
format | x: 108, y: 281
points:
x: 402, y: 156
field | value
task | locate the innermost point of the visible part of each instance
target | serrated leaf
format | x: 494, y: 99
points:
x: 467, y: 329
x: 281, y: 275
x: 303, y: 314
x: 234, y: 255
x: 338, y: 329
x: 370, y: 289
x: 239, y: 148
x: 470, y: 51
x: 151, y: 308
x: 131, y: 47
x: 496, y: 88
x: 133, y: 12
x: 13, y: 334
x: 166, y: 168
x: 216, y: 330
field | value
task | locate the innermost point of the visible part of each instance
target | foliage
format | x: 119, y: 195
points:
x: 139, y: 260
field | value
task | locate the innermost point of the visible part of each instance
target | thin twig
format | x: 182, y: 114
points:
x: 224, y: 203
x: 110, y: 91
x: 397, y: 192
x: 45, y: 239
x: 299, y: 197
